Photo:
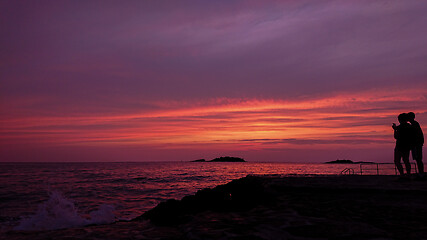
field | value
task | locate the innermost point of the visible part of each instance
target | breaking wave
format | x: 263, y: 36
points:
x: 59, y: 212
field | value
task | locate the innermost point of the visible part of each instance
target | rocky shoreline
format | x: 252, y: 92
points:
x: 276, y: 207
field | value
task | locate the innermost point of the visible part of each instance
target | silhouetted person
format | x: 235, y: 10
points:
x: 417, y: 142
x: 403, y: 143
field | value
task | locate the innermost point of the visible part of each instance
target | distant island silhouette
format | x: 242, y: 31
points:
x: 199, y: 160
x: 222, y: 159
x: 345, y: 161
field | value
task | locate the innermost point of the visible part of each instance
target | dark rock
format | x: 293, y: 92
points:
x: 238, y: 195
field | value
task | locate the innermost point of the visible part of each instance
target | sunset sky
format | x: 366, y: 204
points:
x: 288, y: 81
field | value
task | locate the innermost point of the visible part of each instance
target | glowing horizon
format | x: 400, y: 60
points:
x: 350, y: 120
x: 267, y: 81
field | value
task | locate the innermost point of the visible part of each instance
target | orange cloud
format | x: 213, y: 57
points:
x: 351, y: 119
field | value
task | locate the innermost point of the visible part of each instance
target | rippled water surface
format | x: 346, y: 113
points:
x: 129, y: 188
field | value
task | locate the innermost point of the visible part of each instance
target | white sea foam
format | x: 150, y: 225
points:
x: 59, y: 212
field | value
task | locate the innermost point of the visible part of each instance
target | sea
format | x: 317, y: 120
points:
x: 42, y: 196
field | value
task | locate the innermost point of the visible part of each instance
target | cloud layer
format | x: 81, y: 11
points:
x: 218, y: 75
x: 357, y: 120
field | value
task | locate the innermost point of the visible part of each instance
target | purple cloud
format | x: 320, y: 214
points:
x: 82, y: 59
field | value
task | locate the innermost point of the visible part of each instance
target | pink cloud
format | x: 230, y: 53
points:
x: 343, y: 120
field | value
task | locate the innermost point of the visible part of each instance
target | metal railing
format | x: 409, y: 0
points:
x: 381, y: 168
x: 347, y: 171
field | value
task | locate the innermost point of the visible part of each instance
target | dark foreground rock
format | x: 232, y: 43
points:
x: 238, y: 195
x: 275, y: 207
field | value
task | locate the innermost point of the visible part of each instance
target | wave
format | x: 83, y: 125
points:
x: 196, y: 178
x: 59, y: 212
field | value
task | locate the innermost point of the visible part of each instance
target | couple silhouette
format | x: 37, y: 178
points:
x: 409, y: 138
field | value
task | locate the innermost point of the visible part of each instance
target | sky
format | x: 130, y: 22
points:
x: 269, y: 81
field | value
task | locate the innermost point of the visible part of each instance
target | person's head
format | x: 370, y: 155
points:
x: 411, y: 116
x: 403, y: 118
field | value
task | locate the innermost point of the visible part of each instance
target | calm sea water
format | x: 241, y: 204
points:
x: 59, y: 195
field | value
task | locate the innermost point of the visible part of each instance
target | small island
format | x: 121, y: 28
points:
x: 199, y: 160
x: 345, y: 161
x: 341, y: 161
x: 222, y: 159
x: 228, y: 159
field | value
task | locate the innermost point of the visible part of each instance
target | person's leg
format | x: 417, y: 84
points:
x: 405, y: 158
x: 397, y: 157
x: 417, y: 155
x: 420, y: 166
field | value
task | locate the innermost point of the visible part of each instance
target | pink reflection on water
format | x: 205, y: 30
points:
x: 131, y: 188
